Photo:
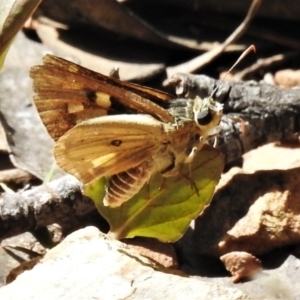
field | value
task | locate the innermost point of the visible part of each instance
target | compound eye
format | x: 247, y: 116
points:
x: 204, y: 117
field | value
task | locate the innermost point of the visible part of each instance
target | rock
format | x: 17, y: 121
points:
x: 273, y: 219
x: 10, y: 258
x: 279, y: 283
x: 287, y: 78
x: 89, y: 265
x: 161, y: 253
x: 257, y: 209
x: 241, y: 265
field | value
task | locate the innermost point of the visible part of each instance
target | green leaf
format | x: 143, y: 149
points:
x: 164, y: 208
x: 13, y: 14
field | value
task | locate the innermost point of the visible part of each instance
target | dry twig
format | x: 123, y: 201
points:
x: 262, y: 64
x: 202, y: 60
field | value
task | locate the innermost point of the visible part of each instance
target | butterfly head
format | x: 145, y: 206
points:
x: 207, y: 115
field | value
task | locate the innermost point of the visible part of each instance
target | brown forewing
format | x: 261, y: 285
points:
x: 67, y: 94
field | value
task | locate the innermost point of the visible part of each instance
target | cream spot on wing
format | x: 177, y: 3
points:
x: 74, y: 107
x: 102, y: 100
x: 102, y: 159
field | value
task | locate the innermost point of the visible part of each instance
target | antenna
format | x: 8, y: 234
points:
x: 246, y: 52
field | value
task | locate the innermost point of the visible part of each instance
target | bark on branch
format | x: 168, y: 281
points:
x: 59, y: 201
x: 269, y: 113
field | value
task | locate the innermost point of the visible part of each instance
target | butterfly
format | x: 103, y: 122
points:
x: 105, y: 127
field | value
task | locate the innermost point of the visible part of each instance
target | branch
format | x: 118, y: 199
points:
x: 269, y: 113
x: 59, y: 201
